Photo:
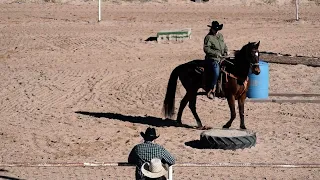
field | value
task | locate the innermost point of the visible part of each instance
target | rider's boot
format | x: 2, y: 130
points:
x: 211, y: 93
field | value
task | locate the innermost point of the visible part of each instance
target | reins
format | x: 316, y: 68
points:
x: 226, y: 72
x: 245, y: 81
x: 254, y: 64
x: 229, y: 74
x: 228, y: 62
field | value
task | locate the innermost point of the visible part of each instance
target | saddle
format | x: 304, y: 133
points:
x: 205, y: 80
x: 222, y: 79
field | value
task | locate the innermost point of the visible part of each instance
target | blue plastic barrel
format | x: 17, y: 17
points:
x: 259, y: 84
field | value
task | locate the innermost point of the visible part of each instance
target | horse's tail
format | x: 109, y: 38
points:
x: 168, y: 104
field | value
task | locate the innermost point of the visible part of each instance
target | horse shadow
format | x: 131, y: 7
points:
x: 148, y: 120
x: 9, y: 178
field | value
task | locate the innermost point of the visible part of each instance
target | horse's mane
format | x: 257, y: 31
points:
x: 240, y: 55
x: 241, y: 62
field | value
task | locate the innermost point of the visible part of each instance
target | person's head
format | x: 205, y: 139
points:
x: 215, y: 27
x: 154, y: 170
x: 150, y: 134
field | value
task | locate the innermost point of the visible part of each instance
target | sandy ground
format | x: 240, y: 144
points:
x: 57, y: 60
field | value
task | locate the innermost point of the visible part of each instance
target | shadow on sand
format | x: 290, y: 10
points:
x: 149, y: 120
x: 9, y: 178
x: 197, y: 144
x: 152, y: 38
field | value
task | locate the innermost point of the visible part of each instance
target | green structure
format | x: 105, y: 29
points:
x: 174, y: 35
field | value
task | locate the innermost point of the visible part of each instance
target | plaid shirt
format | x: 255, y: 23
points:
x: 146, y: 151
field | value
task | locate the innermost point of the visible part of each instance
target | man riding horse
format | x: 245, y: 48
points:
x: 215, y: 48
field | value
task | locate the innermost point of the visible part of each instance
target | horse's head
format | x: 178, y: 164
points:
x: 253, y: 57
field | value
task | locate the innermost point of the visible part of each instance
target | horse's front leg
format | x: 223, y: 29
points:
x: 231, y: 103
x: 241, y: 101
x: 192, y: 106
x: 183, y: 104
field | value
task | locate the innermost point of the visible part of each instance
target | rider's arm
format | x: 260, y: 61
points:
x: 225, y: 50
x: 168, y: 158
x: 132, y: 159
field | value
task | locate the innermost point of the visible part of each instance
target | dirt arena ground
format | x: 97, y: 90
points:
x: 56, y: 60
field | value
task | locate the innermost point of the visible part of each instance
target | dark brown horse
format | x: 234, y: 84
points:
x: 234, y: 78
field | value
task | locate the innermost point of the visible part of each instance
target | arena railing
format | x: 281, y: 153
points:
x: 170, y: 171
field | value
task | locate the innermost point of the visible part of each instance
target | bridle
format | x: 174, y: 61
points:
x: 254, y: 61
x: 256, y: 55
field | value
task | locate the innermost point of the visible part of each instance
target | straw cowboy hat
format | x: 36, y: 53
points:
x: 154, y: 169
x: 216, y: 26
x: 150, y: 134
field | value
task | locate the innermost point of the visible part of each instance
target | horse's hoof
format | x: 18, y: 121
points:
x: 178, y: 123
x: 226, y: 127
x: 204, y: 128
x: 243, y: 127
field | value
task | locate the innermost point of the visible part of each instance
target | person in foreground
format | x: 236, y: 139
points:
x: 154, y: 170
x: 214, y: 48
x: 148, y: 150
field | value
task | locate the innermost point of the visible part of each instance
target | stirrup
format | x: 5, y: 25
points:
x: 211, y: 94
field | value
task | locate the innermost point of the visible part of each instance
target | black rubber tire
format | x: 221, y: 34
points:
x: 210, y: 141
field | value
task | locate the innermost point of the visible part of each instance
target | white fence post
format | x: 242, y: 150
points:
x: 99, y: 18
x: 297, y: 10
x: 170, y: 173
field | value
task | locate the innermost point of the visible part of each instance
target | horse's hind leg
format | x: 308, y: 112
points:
x: 192, y: 106
x: 231, y: 102
x: 183, y: 104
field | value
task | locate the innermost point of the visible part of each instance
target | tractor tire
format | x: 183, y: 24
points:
x: 228, y: 139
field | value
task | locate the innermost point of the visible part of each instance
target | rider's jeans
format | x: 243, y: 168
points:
x: 215, y: 70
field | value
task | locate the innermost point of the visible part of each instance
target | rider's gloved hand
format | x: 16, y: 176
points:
x: 226, y: 54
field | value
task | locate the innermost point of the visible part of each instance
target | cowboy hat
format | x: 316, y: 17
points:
x: 154, y: 169
x: 215, y: 25
x: 150, y: 134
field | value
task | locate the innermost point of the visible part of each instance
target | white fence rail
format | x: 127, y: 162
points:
x: 170, y: 172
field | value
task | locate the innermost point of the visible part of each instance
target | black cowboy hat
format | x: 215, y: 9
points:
x: 215, y: 25
x: 150, y: 134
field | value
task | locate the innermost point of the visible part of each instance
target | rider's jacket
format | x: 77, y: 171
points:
x: 214, y: 47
